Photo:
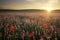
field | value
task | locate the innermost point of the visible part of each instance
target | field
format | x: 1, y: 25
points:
x: 35, y: 25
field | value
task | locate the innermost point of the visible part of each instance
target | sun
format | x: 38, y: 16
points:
x: 49, y: 9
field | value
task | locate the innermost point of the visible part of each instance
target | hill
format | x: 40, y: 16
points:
x: 26, y: 10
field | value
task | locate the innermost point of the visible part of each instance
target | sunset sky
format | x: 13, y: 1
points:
x: 29, y: 4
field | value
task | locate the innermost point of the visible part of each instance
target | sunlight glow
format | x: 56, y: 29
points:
x: 49, y: 9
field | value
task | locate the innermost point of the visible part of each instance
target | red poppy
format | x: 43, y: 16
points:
x: 45, y: 25
x: 12, y: 28
x: 35, y: 21
x: 30, y: 35
x: 6, y: 18
x: 41, y: 20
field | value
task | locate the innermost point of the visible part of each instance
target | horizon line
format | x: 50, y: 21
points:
x: 27, y: 9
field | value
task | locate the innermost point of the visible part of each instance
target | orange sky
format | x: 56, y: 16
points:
x: 29, y: 4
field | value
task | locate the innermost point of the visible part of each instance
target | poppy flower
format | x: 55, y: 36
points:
x: 6, y: 18
x: 12, y: 28
x: 41, y: 20
x: 45, y: 25
x: 35, y: 21
x: 30, y: 35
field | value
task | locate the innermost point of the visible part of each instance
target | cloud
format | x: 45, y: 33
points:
x: 41, y: 1
x: 52, y: 3
x: 31, y: 0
